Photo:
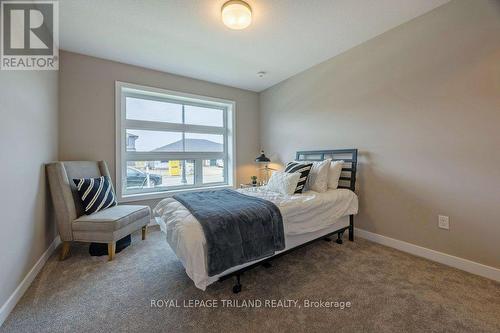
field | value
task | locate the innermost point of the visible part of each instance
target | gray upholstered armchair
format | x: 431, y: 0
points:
x: 106, y: 226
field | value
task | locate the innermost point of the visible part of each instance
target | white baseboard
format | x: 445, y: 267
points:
x: 440, y: 257
x: 11, y: 302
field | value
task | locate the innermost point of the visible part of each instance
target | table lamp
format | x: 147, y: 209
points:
x: 263, y: 159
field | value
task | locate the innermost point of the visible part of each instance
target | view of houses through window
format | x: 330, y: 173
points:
x: 171, y: 144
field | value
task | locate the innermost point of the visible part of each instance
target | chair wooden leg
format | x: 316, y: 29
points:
x: 64, y: 251
x: 144, y: 232
x: 111, y: 250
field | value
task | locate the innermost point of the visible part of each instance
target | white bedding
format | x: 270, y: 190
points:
x: 305, y: 217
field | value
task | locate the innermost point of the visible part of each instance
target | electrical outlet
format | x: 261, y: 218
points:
x: 444, y: 222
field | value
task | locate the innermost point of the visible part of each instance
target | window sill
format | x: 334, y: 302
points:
x: 166, y: 194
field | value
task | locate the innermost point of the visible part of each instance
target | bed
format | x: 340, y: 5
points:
x: 307, y: 217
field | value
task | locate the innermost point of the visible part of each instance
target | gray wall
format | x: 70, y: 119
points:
x: 28, y: 127
x: 87, y: 109
x: 422, y: 103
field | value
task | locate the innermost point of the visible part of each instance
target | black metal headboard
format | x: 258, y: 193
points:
x: 349, y: 156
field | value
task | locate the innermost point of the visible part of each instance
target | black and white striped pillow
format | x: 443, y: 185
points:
x: 303, y: 169
x: 95, y: 193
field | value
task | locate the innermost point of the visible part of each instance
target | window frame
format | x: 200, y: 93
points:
x: 124, y: 90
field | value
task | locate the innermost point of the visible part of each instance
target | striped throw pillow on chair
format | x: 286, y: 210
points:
x: 95, y: 193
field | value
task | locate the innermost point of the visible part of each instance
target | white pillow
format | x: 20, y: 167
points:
x: 318, y: 177
x: 334, y: 174
x: 283, y: 182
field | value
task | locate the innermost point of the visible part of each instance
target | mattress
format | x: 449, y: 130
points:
x: 306, y: 216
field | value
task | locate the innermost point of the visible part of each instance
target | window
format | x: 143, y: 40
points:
x: 169, y: 142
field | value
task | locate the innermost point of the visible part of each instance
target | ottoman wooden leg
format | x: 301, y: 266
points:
x: 111, y: 250
x: 144, y: 232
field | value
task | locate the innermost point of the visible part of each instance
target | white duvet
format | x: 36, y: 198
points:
x: 302, y: 213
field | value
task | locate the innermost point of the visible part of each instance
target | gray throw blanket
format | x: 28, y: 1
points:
x: 238, y: 228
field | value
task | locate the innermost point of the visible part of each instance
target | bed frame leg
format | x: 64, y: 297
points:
x: 267, y: 264
x: 339, y: 237
x: 237, y: 286
x: 351, y: 228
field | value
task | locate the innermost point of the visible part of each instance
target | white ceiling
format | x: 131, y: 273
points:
x: 187, y: 37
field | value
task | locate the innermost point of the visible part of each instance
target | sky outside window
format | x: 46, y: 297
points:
x: 159, y: 111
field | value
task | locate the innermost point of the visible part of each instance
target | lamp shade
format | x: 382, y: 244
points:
x: 262, y: 158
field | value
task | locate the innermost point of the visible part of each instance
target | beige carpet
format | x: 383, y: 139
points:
x: 390, y: 291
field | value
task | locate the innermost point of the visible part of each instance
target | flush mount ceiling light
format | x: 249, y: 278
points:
x: 236, y: 14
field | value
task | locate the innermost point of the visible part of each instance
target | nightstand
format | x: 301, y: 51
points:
x: 249, y: 185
